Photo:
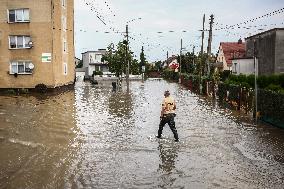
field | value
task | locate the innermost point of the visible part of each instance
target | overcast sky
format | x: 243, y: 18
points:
x: 164, y: 22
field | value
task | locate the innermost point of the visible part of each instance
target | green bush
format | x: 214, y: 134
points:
x: 170, y: 74
x: 263, y: 81
x: 97, y: 73
x: 41, y: 88
x: 271, y: 105
x: 224, y: 75
x: 275, y: 88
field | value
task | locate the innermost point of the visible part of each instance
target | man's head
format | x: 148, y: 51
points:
x: 167, y: 93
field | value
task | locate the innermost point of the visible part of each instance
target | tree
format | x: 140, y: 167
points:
x: 135, y: 67
x: 117, y: 59
x: 80, y: 65
x: 142, y: 59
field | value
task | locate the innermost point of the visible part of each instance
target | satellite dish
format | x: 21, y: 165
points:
x: 31, y: 66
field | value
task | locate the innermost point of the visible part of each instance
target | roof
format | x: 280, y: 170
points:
x: 233, y: 50
x: 268, y: 31
x: 98, y: 51
x: 170, y: 59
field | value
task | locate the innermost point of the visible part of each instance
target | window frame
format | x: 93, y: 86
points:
x: 16, y: 41
x: 63, y: 3
x: 25, y: 63
x: 15, y: 16
x: 65, y: 46
x: 65, y: 68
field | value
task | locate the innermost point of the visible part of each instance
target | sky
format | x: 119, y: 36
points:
x: 159, y: 25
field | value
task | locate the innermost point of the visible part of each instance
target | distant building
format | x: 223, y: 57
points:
x: 36, y: 43
x: 171, y: 62
x: 227, y: 51
x: 268, y: 47
x: 92, y: 61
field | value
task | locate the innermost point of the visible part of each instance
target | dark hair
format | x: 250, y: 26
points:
x: 167, y: 93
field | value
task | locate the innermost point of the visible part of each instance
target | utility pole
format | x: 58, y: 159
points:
x: 202, y: 36
x: 127, y: 60
x: 255, y: 76
x: 210, y: 35
x: 180, y: 61
x: 167, y: 55
x: 209, y: 48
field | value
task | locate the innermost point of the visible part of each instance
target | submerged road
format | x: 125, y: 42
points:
x: 93, y: 137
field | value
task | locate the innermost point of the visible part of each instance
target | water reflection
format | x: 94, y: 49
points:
x: 94, y: 137
x: 36, y: 134
x: 168, y: 155
x: 120, y: 104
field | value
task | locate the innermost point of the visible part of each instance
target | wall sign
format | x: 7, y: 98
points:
x: 46, y: 57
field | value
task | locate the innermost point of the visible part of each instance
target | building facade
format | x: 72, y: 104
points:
x: 92, y: 61
x: 268, y: 47
x: 244, y: 66
x: 36, y: 43
x: 227, y: 51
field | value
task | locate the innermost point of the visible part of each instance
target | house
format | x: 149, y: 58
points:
x: 171, y: 62
x: 92, y: 61
x: 227, y: 51
x: 268, y: 47
x: 36, y: 43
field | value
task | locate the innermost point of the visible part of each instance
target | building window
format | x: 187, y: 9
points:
x: 19, y: 42
x: 65, y: 69
x: 63, y: 3
x: 20, y: 67
x: 235, y: 68
x: 19, y: 15
x: 64, y: 46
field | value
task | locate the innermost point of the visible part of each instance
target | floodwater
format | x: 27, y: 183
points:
x: 93, y: 137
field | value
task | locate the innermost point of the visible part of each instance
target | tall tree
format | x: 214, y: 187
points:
x: 117, y: 58
x: 142, y: 59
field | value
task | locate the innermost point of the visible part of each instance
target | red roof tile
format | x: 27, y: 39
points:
x: 233, y: 50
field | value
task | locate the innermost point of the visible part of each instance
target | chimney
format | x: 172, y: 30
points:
x: 240, y: 41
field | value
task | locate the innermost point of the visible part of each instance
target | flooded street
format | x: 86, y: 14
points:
x: 93, y: 137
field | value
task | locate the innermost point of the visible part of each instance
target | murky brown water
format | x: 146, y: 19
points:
x: 95, y: 138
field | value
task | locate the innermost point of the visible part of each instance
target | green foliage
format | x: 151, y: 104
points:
x: 11, y: 92
x: 97, y: 73
x: 224, y: 75
x: 271, y: 106
x: 170, y: 74
x: 275, y: 88
x: 142, y: 60
x: 41, y: 88
x: 275, y: 82
x: 80, y: 65
x: 135, y: 67
x: 117, y: 59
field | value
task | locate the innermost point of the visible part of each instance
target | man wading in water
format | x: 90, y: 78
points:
x: 168, y: 115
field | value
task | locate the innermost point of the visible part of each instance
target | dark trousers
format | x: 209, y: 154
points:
x: 170, y: 120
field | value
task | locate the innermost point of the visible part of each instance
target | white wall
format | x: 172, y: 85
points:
x: 243, y: 66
